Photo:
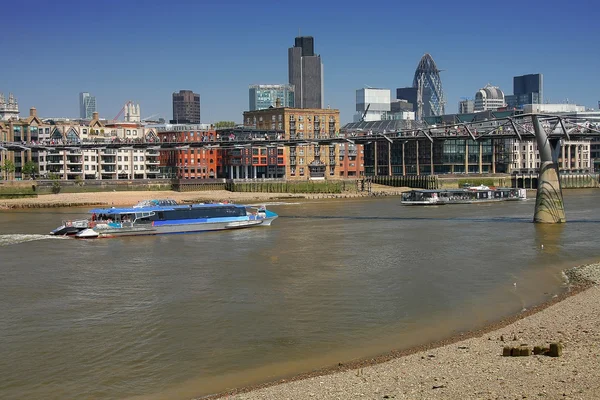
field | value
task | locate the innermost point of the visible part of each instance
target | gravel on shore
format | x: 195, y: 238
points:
x: 472, y: 366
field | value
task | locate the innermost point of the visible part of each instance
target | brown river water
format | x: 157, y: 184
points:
x: 181, y: 316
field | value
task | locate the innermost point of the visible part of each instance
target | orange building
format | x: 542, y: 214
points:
x: 192, y: 163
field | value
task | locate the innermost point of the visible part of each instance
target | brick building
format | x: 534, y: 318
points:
x: 304, y: 161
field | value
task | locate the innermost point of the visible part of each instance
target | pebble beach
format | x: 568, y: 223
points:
x: 471, y: 366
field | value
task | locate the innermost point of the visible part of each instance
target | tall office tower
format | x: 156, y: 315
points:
x: 87, y: 105
x: 186, y: 107
x: 265, y: 96
x: 306, y: 73
x: 430, y: 94
x: 527, y: 89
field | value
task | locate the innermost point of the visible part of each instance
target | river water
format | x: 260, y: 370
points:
x: 177, y: 316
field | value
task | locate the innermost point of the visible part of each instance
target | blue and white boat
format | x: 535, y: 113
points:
x: 153, y: 217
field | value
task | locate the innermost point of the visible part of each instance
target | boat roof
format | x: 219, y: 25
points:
x: 131, y: 210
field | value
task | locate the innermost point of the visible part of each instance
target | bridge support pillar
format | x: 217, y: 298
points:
x: 549, y: 205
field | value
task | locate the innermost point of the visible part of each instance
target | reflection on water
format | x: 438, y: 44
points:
x: 177, y: 316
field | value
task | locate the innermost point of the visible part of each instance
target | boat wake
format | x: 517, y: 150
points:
x: 16, y: 238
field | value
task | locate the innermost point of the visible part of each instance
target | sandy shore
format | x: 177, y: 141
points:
x: 474, y: 368
x: 133, y: 197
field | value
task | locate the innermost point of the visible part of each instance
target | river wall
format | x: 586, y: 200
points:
x: 16, y: 189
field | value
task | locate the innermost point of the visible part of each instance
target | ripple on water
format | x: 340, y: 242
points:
x: 16, y: 238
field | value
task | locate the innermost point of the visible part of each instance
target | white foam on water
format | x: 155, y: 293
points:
x: 16, y: 238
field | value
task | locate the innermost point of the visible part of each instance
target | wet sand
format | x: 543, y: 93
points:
x: 471, y: 365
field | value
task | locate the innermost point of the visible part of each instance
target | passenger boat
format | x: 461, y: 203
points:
x: 469, y: 195
x: 153, y: 217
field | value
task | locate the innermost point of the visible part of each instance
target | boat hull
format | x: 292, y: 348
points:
x: 111, y: 232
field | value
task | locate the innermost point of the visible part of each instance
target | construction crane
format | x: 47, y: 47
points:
x: 152, y: 116
x: 122, y: 111
x: 362, y: 119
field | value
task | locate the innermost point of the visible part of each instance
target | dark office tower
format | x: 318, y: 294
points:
x: 306, y: 73
x: 186, y: 107
x: 527, y: 89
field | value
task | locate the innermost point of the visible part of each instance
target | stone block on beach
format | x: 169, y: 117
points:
x: 506, y: 351
x: 556, y: 350
x: 538, y: 350
x: 525, y: 351
x: 515, y: 352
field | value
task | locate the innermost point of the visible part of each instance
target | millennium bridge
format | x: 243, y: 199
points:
x: 547, y: 130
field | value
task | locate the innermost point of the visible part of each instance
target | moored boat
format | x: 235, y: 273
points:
x: 469, y: 195
x: 153, y: 217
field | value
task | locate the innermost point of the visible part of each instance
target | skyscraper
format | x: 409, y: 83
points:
x: 87, y: 105
x: 265, y: 96
x: 186, y: 107
x: 306, y: 73
x: 527, y: 89
x: 429, y: 84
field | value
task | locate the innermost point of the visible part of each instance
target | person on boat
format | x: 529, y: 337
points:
x: 94, y: 217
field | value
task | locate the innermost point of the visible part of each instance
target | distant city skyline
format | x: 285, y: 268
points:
x: 152, y: 65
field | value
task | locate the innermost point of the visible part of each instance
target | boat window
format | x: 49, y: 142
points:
x: 161, y: 215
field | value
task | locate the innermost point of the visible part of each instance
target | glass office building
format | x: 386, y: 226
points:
x: 265, y: 96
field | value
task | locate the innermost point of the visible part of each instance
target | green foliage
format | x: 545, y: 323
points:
x: 56, y: 187
x: 30, y: 169
x: 8, y: 166
x: 79, y: 180
x: 225, y: 124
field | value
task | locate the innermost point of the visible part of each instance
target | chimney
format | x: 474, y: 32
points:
x: 95, y: 115
x: 277, y: 102
x: 32, y: 112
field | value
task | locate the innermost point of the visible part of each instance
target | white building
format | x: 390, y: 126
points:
x: 574, y: 156
x: 489, y: 98
x: 552, y: 108
x: 132, y: 112
x: 372, y: 103
x: 8, y: 109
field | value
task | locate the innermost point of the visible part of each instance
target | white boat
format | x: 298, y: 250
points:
x: 153, y: 217
x: 469, y: 195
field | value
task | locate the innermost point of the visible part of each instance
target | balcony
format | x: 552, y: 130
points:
x: 108, y: 160
x: 54, y: 161
x: 152, y: 162
x: 75, y: 160
x: 109, y: 171
x: 108, y: 152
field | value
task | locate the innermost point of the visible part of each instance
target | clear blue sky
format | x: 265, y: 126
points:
x: 144, y: 51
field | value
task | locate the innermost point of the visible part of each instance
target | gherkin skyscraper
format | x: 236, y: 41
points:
x: 429, y: 88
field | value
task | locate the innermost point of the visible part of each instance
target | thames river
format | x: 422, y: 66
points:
x: 178, y: 316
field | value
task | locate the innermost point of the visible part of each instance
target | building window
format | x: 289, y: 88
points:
x: 134, y: 132
x: 128, y: 132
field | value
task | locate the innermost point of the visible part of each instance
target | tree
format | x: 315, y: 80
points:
x: 9, y: 167
x: 30, y: 168
x: 225, y: 124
